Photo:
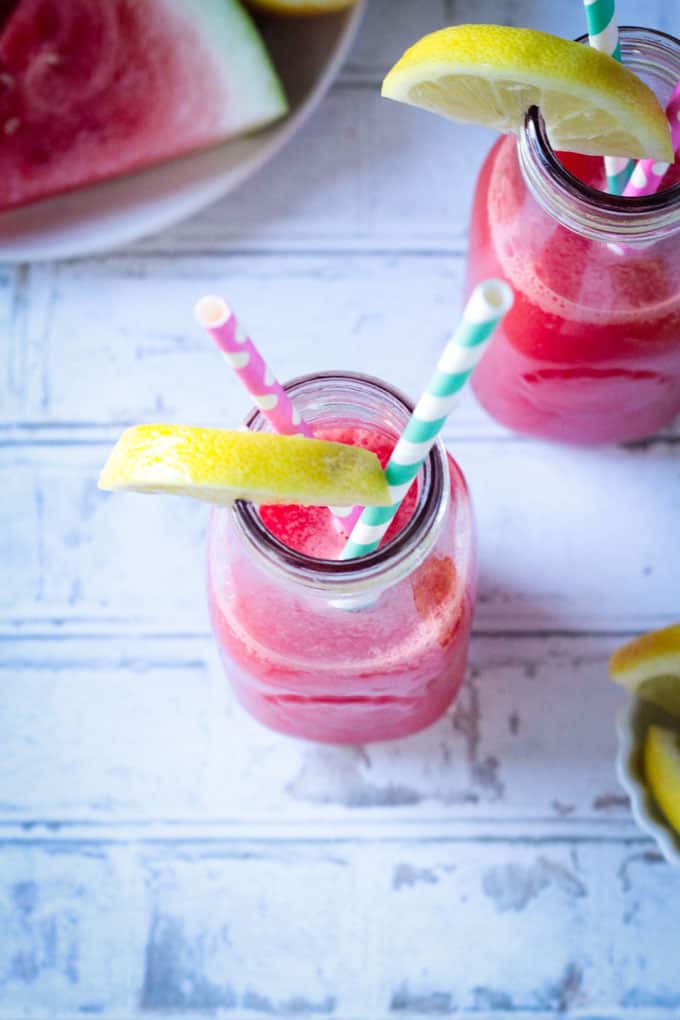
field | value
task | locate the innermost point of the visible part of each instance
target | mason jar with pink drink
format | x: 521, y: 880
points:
x: 355, y: 650
x: 577, y: 206
x: 591, y: 351
x: 342, y: 568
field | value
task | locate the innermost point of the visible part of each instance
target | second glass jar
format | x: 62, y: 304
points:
x: 348, y: 651
x: 590, y: 351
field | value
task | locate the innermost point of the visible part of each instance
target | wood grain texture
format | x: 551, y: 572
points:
x: 160, y: 853
x: 80, y: 555
x: 148, y: 730
x: 387, y: 930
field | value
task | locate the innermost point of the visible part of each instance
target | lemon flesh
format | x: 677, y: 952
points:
x: 221, y: 466
x: 492, y: 74
x: 662, y: 769
x: 649, y: 668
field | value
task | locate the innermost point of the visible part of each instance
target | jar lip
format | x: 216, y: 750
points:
x: 326, y: 573
x: 600, y: 201
x: 598, y: 214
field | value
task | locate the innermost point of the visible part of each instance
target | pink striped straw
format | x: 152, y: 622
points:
x: 241, y: 354
x: 243, y: 357
x: 648, y: 174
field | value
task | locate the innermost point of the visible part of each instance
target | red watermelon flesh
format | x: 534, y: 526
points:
x: 94, y: 88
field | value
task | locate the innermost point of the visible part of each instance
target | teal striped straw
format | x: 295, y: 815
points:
x: 603, y: 35
x: 485, y: 308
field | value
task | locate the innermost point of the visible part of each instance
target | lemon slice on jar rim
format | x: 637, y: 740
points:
x: 221, y: 465
x: 492, y: 74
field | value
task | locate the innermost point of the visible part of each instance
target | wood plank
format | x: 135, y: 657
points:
x: 391, y: 26
x: 352, y: 190
x: 98, y: 347
x: 122, y: 731
x: 12, y: 360
x: 82, y: 557
x: 390, y: 929
x: 108, y: 349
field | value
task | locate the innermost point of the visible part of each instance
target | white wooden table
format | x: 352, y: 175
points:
x: 160, y: 853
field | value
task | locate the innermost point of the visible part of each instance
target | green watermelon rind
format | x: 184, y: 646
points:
x: 233, y: 40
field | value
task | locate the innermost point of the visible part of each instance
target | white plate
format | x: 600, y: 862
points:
x: 307, y: 52
x: 633, y: 722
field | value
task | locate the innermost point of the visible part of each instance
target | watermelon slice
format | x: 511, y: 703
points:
x: 94, y: 88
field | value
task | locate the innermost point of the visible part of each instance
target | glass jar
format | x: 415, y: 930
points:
x: 348, y: 651
x: 590, y: 351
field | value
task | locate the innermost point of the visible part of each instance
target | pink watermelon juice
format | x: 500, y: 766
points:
x: 590, y: 351
x: 347, y: 652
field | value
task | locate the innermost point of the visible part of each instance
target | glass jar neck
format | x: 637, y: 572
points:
x: 654, y: 57
x: 336, y: 399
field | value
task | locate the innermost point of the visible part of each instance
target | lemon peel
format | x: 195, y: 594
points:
x: 649, y: 667
x: 492, y: 74
x: 221, y: 466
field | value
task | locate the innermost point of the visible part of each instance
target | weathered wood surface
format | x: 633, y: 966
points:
x: 543, y: 513
x: 148, y: 730
x: 162, y: 854
x: 390, y: 928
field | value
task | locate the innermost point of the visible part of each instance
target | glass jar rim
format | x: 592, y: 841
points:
x: 387, y: 563
x: 598, y: 214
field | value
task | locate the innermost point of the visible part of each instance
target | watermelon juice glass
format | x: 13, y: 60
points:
x: 590, y: 351
x: 357, y: 650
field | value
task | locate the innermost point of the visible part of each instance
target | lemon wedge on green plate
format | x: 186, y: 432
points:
x: 662, y: 769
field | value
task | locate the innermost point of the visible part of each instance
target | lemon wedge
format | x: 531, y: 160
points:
x: 649, y: 667
x: 220, y: 466
x: 662, y: 769
x: 492, y: 74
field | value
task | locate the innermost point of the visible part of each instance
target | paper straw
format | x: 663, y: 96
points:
x: 603, y: 35
x: 485, y: 308
x: 241, y: 354
x: 648, y: 174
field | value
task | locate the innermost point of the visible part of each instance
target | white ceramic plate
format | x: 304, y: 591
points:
x: 307, y: 52
x: 634, y: 719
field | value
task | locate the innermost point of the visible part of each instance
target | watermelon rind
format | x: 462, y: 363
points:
x: 231, y: 36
